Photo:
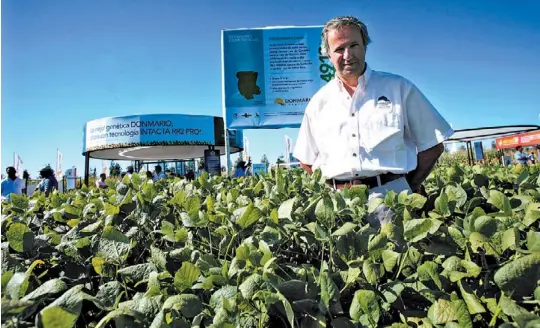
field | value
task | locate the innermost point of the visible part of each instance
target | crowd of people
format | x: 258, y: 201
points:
x: 13, y: 184
x: 151, y: 177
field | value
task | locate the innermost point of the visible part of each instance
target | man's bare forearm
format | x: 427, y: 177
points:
x: 306, y: 167
x: 426, y: 161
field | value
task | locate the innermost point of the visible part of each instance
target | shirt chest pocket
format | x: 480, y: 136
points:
x: 382, y: 129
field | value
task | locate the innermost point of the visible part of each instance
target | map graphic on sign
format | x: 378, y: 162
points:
x: 247, y: 84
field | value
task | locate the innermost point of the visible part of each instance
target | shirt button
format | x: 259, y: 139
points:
x: 354, y: 154
x: 352, y: 114
x: 354, y: 135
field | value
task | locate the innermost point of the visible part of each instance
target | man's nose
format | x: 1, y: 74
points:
x: 347, y: 54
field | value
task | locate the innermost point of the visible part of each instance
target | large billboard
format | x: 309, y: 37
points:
x: 148, y: 130
x: 270, y: 75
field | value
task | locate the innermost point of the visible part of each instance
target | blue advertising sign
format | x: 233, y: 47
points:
x: 292, y: 159
x: 148, y: 130
x: 478, y: 150
x: 236, y: 139
x: 258, y: 168
x: 270, y: 75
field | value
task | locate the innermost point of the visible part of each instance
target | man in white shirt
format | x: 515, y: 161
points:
x: 12, y: 184
x: 365, y: 126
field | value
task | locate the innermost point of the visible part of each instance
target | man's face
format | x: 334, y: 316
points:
x: 11, y: 173
x: 346, y: 51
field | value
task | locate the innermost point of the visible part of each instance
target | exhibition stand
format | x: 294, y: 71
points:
x: 159, y: 137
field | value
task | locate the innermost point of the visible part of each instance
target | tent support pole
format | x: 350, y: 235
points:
x: 87, y: 168
x: 472, y: 152
x: 468, y: 152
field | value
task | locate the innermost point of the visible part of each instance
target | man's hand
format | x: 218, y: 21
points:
x: 426, y: 161
x: 306, y: 167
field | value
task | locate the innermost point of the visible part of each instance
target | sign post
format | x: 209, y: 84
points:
x: 212, y: 161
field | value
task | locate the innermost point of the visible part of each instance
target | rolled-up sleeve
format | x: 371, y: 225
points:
x: 305, y: 149
x: 424, y: 124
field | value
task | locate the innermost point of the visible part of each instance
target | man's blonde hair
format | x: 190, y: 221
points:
x: 337, y: 24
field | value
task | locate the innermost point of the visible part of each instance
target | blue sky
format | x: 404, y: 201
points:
x: 68, y: 62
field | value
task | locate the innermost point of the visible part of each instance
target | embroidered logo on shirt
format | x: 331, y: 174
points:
x: 383, y: 102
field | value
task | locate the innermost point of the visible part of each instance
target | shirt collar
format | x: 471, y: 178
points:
x: 362, y: 79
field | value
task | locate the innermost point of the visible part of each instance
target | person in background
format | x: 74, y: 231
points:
x: 25, y: 178
x: 101, y: 182
x: 159, y: 173
x: 248, y: 169
x: 531, y: 158
x: 130, y: 171
x: 54, y: 181
x: 12, y: 184
x: 190, y: 175
x: 49, y: 183
x: 240, y: 169
x: 520, y: 157
x: 149, y: 177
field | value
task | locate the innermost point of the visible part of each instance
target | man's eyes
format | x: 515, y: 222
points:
x: 341, y: 49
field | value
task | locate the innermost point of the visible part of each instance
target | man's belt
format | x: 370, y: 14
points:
x: 370, y: 182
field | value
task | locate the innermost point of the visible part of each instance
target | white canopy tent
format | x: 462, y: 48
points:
x: 491, y: 132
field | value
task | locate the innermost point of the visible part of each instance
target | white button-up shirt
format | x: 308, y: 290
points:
x: 380, y: 129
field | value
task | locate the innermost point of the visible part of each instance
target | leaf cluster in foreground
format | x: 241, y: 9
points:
x: 276, y: 251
